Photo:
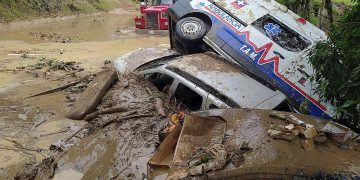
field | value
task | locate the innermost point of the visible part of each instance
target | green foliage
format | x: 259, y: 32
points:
x: 18, y: 9
x: 314, y: 20
x: 313, y: 14
x: 345, y: 2
x: 337, y: 64
x: 298, y: 7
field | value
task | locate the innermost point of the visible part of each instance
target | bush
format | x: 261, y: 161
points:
x: 337, y: 65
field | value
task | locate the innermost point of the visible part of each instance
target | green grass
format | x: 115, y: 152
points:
x: 24, y: 9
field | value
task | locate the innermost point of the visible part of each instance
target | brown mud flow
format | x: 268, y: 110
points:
x: 52, y: 53
x: 29, y: 125
x: 112, y: 146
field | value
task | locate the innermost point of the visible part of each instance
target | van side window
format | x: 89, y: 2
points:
x: 161, y: 81
x: 281, y: 34
x: 188, y: 97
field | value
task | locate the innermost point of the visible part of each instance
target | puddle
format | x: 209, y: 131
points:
x: 68, y: 174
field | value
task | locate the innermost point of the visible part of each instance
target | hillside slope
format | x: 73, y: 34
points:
x: 23, y: 9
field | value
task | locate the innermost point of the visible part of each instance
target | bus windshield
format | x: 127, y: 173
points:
x: 161, y: 2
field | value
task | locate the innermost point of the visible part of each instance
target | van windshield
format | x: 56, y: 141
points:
x: 281, y: 34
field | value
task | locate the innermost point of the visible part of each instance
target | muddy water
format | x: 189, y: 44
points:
x: 95, y: 38
x: 96, y: 27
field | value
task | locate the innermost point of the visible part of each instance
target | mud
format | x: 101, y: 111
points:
x: 95, y: 39
x: 120, y: 149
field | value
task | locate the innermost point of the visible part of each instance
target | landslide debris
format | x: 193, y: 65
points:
x: 54, y: 36
x: 128, y: 137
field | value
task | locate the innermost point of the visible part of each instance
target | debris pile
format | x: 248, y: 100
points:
x: 45, y: 67
x: 307, y: 133
x: 206, y: 159
x: 56, y: 37
x: 292, y: 132
x: 238, y: 158
x: 54, y: 65
x: 216, y: 144
x: 128, y: 121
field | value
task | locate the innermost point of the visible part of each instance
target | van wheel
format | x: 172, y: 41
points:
x: 191, y: 29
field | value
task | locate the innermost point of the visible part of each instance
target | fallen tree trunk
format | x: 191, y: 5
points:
x: 92, y: 95
x: 110, y: 110
x: 126, y: 117
x: 53, y: 133
x: 55, y: 89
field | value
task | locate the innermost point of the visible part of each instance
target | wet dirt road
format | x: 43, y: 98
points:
x: 92, y: 39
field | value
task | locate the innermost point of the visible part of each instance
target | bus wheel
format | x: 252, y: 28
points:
x: 191, y: 29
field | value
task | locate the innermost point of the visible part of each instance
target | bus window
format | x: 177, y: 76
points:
x: 281, y: 34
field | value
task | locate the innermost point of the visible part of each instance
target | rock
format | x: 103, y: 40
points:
x: 346, y: 146
x: 357, y: 147
x: 308, y: 144
x: 310, y: 133
x: 288, y: 137
x: 309, y: 126
x: 321, y: 133
x: 320, y: 140
x: 277, y: 115
x: 281, y: 135
x: 290, y: 127
x: 196, y: 170
x: 291, y: 118
x: 295, y: 132
x: 274, y: 133
x: 277, y: 127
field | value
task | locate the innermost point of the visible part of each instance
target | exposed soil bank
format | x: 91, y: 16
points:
x: 23, y: 9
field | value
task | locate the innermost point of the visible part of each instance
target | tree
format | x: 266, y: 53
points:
x: 325, y: 15
x: 301, y: 7
x: 337, y: 65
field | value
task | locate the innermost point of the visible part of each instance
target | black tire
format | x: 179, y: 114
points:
x: 191, y: 29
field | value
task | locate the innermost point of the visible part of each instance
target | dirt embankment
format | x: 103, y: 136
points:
x: 20, y: 9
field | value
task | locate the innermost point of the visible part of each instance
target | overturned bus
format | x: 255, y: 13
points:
x: 262, y: 36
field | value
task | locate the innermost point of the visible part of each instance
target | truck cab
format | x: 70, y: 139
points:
x: 154, y: 15
x: 261, y: 36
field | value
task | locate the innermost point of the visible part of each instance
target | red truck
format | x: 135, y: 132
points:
x: 154, y: 16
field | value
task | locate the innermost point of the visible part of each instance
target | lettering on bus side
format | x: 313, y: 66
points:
x: 225, y: 16
x: 249, y: 52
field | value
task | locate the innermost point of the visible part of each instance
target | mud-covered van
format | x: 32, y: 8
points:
x: 262, y: 36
